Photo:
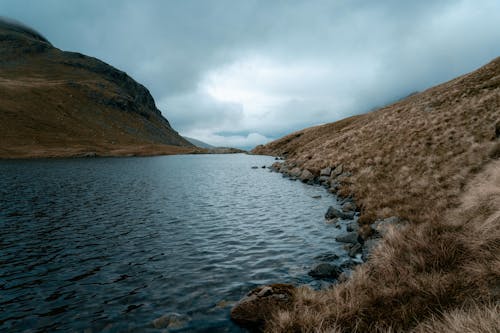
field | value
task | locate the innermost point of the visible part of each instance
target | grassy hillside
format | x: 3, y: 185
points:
x: 56, y: 103
x: 432, y: 160
x: 412, y: 158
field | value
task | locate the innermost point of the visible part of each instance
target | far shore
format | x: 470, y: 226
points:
x: 82, y: 151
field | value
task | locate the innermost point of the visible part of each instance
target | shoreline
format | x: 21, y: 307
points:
x: 362, y: 239
x: 27, y: 152
x: 421, y: 266
x: 251, y: 311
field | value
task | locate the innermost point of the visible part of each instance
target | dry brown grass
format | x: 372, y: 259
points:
x: 432, y: 160
x: 411, y: 158
x: 478, y: 318
x: 417, y: 274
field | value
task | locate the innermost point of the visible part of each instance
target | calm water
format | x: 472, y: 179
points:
x: 92, y: 245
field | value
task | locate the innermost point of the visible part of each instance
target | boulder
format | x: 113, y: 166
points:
x: 170, y: 320
x: 338, y: 171
x: 350, y: 237
x: 306, y: 176
x: 349, y: 206
x: 325, y: 172
x: 348, y: 264
x: 258, y: 305
x: 295, y: 172
x: 334, y: 220
x: 354, y: 250
x: 325, y: 270
x: 323, y: 179
x: 381, y: 226
x: 352, y: 226
x: 344, y: 177
x: 334, y: 186
x: 349, y: 215
x: 333, y: 212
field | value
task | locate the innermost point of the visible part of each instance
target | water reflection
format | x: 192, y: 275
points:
x: 113, y: 244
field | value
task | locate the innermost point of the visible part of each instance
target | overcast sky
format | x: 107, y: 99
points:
x: 240, y: 73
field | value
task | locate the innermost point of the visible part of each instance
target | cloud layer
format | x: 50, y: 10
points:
x: 240, y: 73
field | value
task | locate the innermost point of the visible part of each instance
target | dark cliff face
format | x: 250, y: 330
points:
x: 50, y: 97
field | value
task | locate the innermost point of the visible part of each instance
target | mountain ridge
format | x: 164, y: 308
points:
x: 59, y: 103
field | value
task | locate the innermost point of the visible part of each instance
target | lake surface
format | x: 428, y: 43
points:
x: 111, y: 244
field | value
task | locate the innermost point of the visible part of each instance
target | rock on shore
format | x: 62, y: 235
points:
x: 359, y: 240
x: 325, y: 270
x: 253, y: 310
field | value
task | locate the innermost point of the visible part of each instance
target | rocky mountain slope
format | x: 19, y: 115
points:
x: 431, y: 161
x: 56, y: 103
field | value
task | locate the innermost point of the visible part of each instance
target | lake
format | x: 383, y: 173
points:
x: 111, y: 244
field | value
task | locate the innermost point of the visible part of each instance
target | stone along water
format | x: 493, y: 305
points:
x: 112, y: 244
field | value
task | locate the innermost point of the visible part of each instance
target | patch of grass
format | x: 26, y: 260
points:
x: 477, y: 318
x: 431, y: 160
x: 421, y: 273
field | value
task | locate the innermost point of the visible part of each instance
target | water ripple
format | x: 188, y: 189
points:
x: 112, y: 244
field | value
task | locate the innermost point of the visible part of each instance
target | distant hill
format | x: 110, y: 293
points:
x: 57, y: 103
x: 209, y: 149
x: 198, y: 143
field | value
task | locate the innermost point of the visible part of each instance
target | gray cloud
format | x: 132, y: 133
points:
x: 264, y: 68
x: 195, y: 110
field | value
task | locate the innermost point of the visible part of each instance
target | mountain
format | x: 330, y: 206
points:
x: 425, y: 175
x: 57, y: 103
x: 198, y: 143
